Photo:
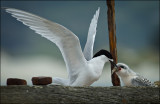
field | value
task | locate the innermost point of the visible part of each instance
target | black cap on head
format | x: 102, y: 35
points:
x: 103, y: 52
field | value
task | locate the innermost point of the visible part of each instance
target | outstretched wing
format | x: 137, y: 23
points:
x: 88, y: 50
x: 67, y: 42
x: 140, y: 81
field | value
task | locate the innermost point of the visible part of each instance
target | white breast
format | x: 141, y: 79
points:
x: 127, y: 80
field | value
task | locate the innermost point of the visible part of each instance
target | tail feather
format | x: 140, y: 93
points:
x: 60, y: 81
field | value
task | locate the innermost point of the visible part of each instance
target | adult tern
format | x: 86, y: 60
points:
x: 82, y: 68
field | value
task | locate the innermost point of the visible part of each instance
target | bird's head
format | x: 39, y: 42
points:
x: 121, y: 69
x: 103, y: 52
x: 107, y: 54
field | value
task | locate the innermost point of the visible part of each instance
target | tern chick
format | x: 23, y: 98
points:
x: 129, y: 77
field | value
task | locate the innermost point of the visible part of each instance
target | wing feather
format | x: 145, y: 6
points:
x: 67, y: 42
x: 141, y: 81
x: 88, y: 50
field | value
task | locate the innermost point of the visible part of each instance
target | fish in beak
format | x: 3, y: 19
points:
x: 115, y: 69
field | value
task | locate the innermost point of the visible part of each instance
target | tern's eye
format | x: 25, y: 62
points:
x: 123, y: 67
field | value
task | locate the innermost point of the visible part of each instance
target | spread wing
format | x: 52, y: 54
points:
x: 88, y: 50
x: 140, y: 81
x: 67, y: 42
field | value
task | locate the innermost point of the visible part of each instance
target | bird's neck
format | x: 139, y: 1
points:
x: 103, y: 59
x: 98, y: 60
x: 98, y: 63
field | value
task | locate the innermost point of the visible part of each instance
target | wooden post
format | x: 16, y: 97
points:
x: 112, y: 37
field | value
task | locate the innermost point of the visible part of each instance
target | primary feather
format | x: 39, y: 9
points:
x: 88, y: 49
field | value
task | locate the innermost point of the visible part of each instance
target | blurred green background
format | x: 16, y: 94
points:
x: 25, y: 54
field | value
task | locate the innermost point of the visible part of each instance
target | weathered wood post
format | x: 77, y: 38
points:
x: 112, y: 37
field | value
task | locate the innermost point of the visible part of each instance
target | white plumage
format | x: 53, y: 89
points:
x: 88, y: 49
x: 129, y: 77
x: 82, y: 71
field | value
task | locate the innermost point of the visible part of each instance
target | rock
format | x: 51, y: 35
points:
x: 54, y: 94
x: 157, y: 83
x: 16, y: 81
x: 41, y: 80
